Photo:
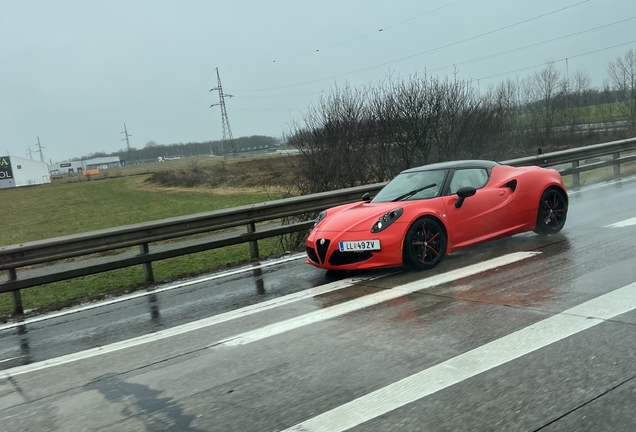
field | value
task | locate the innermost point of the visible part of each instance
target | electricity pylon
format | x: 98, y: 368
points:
x: 225, y: 122
x: 125, y: 132
x: 40, y: 150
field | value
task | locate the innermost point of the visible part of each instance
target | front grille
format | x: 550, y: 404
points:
x: 342, y: 258
x: 322, y: 249
x: 311, y: 253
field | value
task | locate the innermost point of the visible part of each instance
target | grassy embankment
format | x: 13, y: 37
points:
x: 75, y: 205
x: 590, y: 114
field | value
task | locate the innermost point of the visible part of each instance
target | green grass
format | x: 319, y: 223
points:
x: 600, y: 175
x: 603, y: 112
x: 33, y: 213
x: 583, y: 115
x: 54, y: 210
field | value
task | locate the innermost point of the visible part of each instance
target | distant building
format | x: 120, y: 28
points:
x: 74, y: 167
x: 66, y: 168
x: 102, y: 163
x: 16, y: 172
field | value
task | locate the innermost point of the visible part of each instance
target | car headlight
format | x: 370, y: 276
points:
x: 321, y: 216
x: 385, y: 221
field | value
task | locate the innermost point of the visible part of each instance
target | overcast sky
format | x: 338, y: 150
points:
x: 73, y: 72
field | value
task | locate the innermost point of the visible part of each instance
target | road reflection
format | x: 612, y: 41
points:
x: 154, y: 412
x: 25, y: 348
x: 257, y: 273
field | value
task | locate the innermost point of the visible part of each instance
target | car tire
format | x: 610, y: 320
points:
x: 424, y: 244
x: 552, y: 212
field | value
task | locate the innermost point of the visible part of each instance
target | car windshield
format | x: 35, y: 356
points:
x: 400, y: 187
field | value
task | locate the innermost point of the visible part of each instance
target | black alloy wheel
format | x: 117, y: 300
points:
x: 553, y: 210
x: 424, y: 244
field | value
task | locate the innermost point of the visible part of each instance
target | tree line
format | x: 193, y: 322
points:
x: 353, y: 136
x: 152, y: 151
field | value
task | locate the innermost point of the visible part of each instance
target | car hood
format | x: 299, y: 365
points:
x: 356, y: 217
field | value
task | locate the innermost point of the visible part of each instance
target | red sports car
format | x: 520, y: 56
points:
x: 427, y: 212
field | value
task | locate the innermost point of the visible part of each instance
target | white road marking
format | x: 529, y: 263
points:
x: 155, y: 291
x: 9, y: 359
x: 621, y: 224
x: 185, y: 328
x: 373, y: 299
x: 283, y: 326
x: 474, y: 362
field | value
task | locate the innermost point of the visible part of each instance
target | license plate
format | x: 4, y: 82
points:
x: 360, y: 245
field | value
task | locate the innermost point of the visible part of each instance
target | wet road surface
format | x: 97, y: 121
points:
x: 527, y: 333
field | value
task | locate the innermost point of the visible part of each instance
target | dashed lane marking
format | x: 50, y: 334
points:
x: 621, y: 224
x: 283, y: 326
x: 372, y: 299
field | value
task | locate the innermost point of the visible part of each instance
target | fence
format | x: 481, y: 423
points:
x: 18, y: 256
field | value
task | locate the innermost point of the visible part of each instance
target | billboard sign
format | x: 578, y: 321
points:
x: 5, y: 168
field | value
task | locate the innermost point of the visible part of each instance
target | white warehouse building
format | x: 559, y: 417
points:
x: 74, y: 167
x: 15, y: 172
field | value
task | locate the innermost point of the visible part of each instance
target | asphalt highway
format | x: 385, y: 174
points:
x: 528, y: 333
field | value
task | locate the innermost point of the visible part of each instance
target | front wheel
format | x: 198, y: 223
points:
x: 553, y: 209
x: 424, y: 244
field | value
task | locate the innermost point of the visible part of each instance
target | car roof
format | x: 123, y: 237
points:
x: 484, y: 164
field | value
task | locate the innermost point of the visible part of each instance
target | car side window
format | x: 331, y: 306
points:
x: 475, y: 177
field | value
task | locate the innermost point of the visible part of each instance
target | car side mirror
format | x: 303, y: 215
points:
x: 366, y: 197
x: 463, y: 193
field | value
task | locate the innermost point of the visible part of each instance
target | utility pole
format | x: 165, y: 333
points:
x: 225, y: 122
x: 40, y: 150
x: 30, y: 153
x: 126, y: 134
x: 567, y: 82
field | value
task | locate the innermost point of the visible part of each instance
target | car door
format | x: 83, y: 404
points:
x: 480, y: 216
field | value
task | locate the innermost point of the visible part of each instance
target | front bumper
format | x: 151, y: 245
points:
x: 323, y: 251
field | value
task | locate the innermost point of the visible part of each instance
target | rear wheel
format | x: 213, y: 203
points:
x: 553, y: 209
x: 424, y: 244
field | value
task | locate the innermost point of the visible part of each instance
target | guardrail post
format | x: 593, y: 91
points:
x: 576, y: 177
x: 617, y: 166
x: 18, y: 309
x: 150, y: 278
x: 251, y: 227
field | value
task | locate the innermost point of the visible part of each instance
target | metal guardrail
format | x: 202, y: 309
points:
x: 19, y: 256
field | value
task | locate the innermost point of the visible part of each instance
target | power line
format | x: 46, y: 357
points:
x: 561, y: 59
x: 536, y: 44
x: 580, y: 3
x: 364, y: 36
x: 507, y: 27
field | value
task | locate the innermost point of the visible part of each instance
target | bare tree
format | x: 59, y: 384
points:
x: 543, y: 90
x: 370, y: 134
x: 576, y: 109
x: 622, y: 73
x: 332, y: 141
x: 508, y: 98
